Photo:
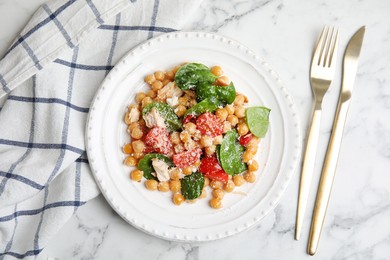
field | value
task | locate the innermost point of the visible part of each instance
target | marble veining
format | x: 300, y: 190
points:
x: 284, y: 34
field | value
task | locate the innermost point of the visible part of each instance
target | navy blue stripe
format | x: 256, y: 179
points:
x: 22, y: 179
x: 32, y: 55
x: 137, y: 28
x: 82, y: 66
x: 59, y: 25
x: 32, y: 212
x: 82, y: 160
x: 49, y: 101
x: 4, y: 83
x: 10, y: 242
x: 64, y: 140
x: 30, y: 139
x: 41, y: 145
x: 21, y: 256
x: 154, y: 17
x: 95, y: 11
x: 39, y: 25
x: 114, y: 40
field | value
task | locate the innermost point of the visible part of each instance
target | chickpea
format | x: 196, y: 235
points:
x: 180, y: 110
x: 127, y: 149
x: 187, y: 170
x: 239, y: 100
x: 185, y: 136
x: 221, y: 113
x: 217, y: 71
x: 211, y: 149
x: 203, y: 194
x: 137, y: 133
x: 175, y: 138
x: 238, y: 180
x: 229, y: 186
x: 159, y: 75
x: 223, y: 81
x: 130, y: 161
x: 250, y: 177
x: 230, y: 109
x: 183, y: 101
x: 178, y: 199
x: 178, y: 148
x: 150, y: 79
x: 127, y: 118
x: 218, y: 194
x: 232, y: 119
x: 240, y: 112
x: 138, y: 155
x: 214, y: 184
x: 133, y: 125
x: 175, y: 185
x: 175, y: 174
x: 157, y: 85
x: 197, y: 163
x: 247, y: 156
x: 151, y: 184
x: 138, y: 146
x: 253, y: 166
x: 190, y: 144
x: 146, y: 101
x: 170, y: 75
x: 190, y: 128
x: 242, y: 129
x: 252, y: 149
x: 206, y: 141
x: 218, y: 139
x: 166, y: 82
x: 151, y: 94
x: 136, y: 175
x: 215, y: 203
x: 206, y: 182
x: 140, y: 96
x: 163, y: 186
x: 227, y: 126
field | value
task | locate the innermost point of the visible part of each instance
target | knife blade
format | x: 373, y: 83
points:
x: 350, y: 66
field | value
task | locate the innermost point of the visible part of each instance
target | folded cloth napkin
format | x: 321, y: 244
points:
x: 50, y: 75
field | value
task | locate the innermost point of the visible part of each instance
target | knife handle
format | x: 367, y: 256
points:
x: 327, y: 175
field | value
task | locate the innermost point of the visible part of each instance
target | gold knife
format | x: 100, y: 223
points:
x: 351, y: 59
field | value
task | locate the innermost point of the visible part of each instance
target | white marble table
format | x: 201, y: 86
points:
x: 283, y: 33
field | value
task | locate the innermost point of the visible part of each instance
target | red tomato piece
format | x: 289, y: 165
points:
x: 210, y: 168
x: 157, y: 140
x: 189, y: 118
x: 209, y: 124
x: 187, y: 158
x: 245, y: 139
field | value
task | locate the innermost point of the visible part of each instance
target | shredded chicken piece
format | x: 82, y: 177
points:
x: 161, y: 169
x: 169, y: 91
x: 153, y: 118
x: 173, y: 101
x: 134, y: 115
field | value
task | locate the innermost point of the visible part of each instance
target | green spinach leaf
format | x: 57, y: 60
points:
x: 231, y: 154
x: 257, y: 119
x: 192, y: 75
x: 226, y: 94
x: 171, y: 119
x: 206, y: 105
x: 145, y: 164
x: 192, y: 185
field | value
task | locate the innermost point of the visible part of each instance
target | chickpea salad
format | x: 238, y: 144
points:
x: 191, y: 131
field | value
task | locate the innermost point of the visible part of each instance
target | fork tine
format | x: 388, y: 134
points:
x: 320, y: 44
x: 325, y: 50
x: 333, y: 51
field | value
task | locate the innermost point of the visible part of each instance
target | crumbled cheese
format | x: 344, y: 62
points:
x: 161, y: 169
x: 173, y: 101
x: 134, y: 115
x: 153, y: 118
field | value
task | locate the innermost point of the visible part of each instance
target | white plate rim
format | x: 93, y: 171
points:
x: 287, y: 173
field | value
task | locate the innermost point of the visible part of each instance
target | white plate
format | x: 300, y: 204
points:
x: 154, y: 212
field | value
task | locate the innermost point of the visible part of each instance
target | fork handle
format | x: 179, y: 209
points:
x: 327, y: 176
x: 308, y: 167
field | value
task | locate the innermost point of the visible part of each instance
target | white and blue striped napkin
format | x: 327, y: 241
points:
x: 48, y: 78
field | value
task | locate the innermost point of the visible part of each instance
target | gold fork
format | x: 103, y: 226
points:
x: 321, y: 75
